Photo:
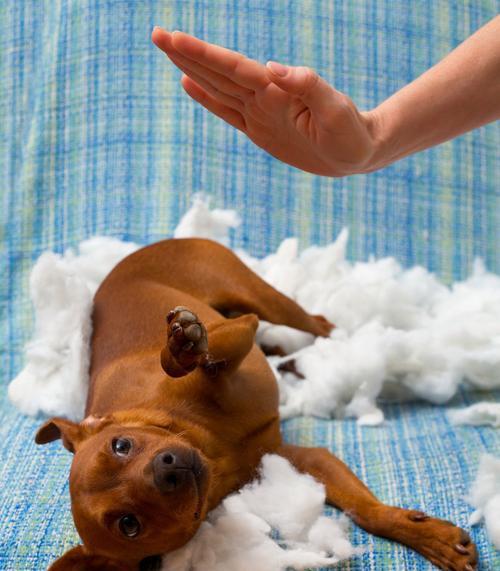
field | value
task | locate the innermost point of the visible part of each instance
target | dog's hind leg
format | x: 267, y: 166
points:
x: 442, y: 543
x: 214, y: 274
x: 254, y: 295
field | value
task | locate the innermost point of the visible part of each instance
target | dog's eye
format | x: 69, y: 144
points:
x: 121, y: 446
x: 129, y: 525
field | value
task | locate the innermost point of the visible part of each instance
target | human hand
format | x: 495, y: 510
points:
x: 290, y: 112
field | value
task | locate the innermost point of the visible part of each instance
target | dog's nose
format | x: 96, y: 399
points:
x: 173, y: 468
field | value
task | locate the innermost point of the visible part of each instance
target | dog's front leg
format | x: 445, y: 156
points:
x: 187, y: 343
x: 220, y: 349
x: 442, y: 543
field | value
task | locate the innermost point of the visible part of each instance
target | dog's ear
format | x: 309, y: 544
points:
x: 77, y: 559
x: 70, y: 432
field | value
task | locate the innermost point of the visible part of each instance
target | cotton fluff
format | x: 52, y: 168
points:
x: 237, y: 535
x: 481, y: 413
x: 202, y: 222
x: 54, y: 380
x: 400, y: 333
x: 485, y: 497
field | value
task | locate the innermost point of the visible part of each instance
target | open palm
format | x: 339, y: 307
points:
x: 295, y: 115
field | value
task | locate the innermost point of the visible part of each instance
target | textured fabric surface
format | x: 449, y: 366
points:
x: 97, y: 137
x: 417, y: 460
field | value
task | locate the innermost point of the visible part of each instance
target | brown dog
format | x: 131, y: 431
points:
x: 175, y: 426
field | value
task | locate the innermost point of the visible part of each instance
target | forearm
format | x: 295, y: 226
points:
x: 458, y: 94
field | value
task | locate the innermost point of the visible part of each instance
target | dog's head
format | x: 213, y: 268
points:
x: 137, y: 488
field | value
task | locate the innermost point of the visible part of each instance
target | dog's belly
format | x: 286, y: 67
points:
x: 129, y: 318
x: 125, y: 371
x: 129, y: 332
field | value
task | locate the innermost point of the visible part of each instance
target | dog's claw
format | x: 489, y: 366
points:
x: 465, y: 538
x: 444, y: 544
x: 173, y: 312
x: 461, y: 549
x: 418, y: 516
x: 212, y: 367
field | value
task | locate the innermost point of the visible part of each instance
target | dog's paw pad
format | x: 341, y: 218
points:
x: 187, y: 337
x: 194, y: 332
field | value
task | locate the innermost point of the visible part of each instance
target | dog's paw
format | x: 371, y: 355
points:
x: 321, y: 326
x: 444, y: 544
x: 186, y: 341
x: 187, y: 336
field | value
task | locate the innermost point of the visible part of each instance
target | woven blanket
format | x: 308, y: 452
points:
x: 97, y: 138
x: 402, y: 311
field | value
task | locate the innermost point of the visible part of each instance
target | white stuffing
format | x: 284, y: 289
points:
x: 479, y: 414
x: 54, y: 380
x: 55, y: 377
x: 202, y: 222
x: 400, y: 333
x: 236, y: 535
x: 485, y: 497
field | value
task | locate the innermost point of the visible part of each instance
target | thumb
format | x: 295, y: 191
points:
x: 304, y: 82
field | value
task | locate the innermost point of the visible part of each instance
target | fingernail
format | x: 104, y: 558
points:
x: 164, y: 33
x: 277, y: 68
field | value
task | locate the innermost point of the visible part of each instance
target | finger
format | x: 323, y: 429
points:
x: 249, y: 108
x: 158, y: 36
x: 218, y: 81
x: 235, y: 66
x: 223, y: 98
x: 305, y: 83
x: 203, y: 98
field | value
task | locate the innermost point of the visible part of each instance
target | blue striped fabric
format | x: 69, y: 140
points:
x: 97, y: 137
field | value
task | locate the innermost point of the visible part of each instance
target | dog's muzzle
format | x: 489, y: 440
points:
x: 176, y: 468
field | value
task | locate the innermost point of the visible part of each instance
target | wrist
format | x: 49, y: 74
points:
x: 381, y: 138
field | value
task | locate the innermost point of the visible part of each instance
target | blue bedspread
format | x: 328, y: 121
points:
x: 97, y: 137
